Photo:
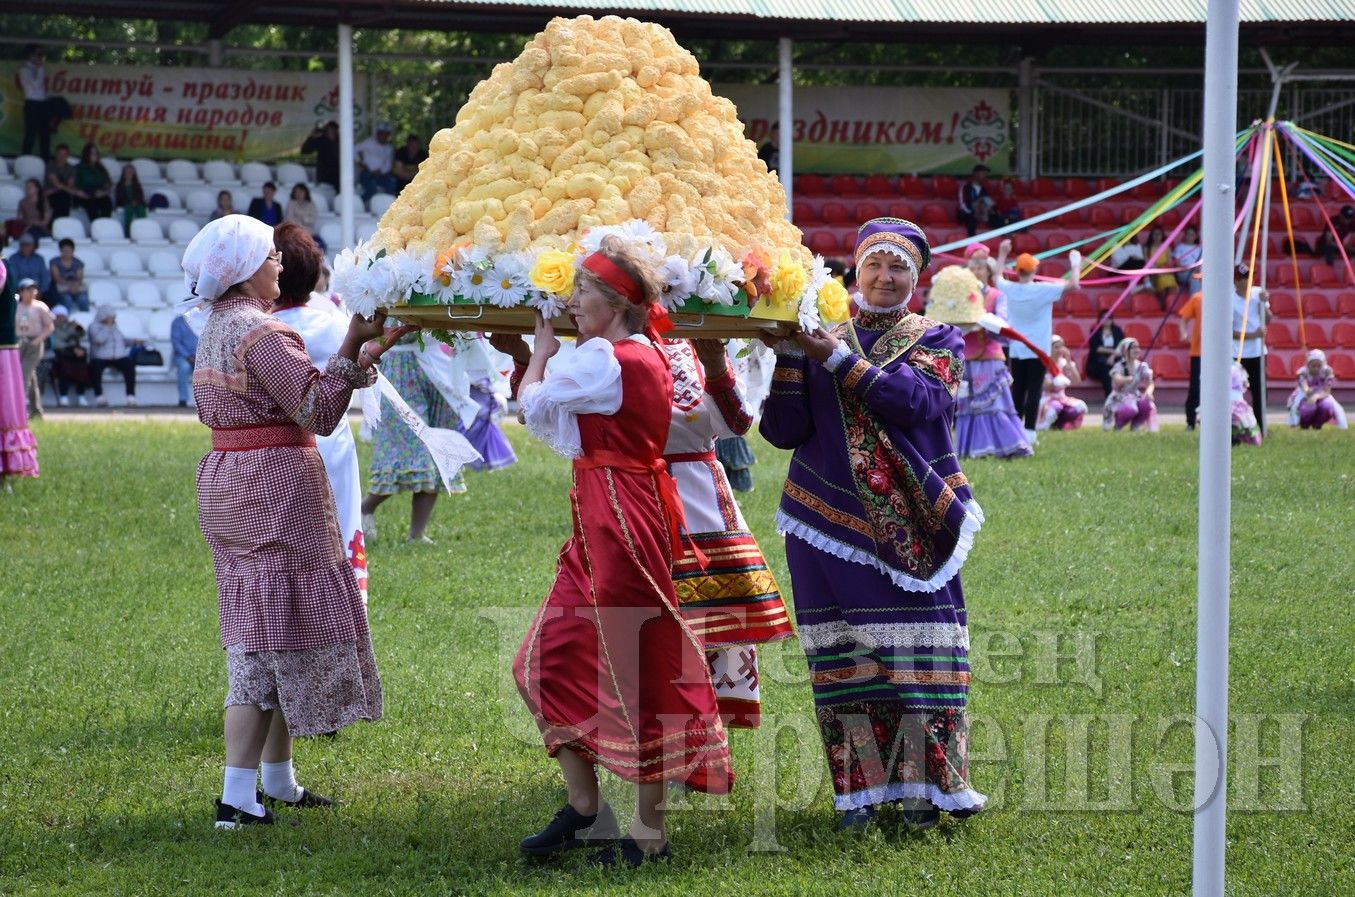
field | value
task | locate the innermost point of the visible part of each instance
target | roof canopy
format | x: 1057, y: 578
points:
x: 1320, y: 22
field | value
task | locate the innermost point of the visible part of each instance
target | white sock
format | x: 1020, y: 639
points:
x: 240, y: 791
x: 279, y: 780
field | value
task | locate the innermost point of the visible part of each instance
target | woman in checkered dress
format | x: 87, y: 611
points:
x: 298, y: 652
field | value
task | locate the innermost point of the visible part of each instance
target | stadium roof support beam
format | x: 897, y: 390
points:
x: 347, y: 231
x: 230, y: 15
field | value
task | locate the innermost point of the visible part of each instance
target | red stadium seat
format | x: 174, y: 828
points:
x: 1283, y: 305
x: 804, y: 213
x: 1044, y: 188
x: 1322, y: 275
x: 1078, y: 304
x: 866, y: 211
x: 1277, y: 366
x: 1025, y: 243
x: 901, y: 210
x: 1303, y: 217
x: 914, y: 187
x: 1170, y: 336
x: 934, y: 214
x: 1073, y: 218
x: 1140, y: 332
x: 810, y: 185
x: 1315, y: 305
x: 824, y: 242
x: 835, y: 213
x: 1073, y: 333
x: 1343, y: 365
x: 1031, y: 209
x: 879, y: 185
x: 1343, y: 334
x: 1168, y: 366
x: 1345, y: 305
x: 1105, y: 300
x: 945, y: 186
x: 1144, y: 303
x: 1169, y: 218
x: 1312, y: 335
x: 845, y: 185
x: 1053, y: 268
x: 1279, y: 336
x: 1131, y: 212
x: 1057, y: 239
x: 1020, y: 188
x: 1149, y: 190
x: 1282, y: 275
x: 1101, y: 217
x: 1101, y: 185
x: 1077, y: 188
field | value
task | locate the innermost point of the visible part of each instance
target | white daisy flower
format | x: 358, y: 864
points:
x: 506, y: 282
x: 472, y: 282
x: 679, y: 281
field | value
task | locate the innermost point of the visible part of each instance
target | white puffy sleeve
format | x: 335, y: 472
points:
x: 587, y: 381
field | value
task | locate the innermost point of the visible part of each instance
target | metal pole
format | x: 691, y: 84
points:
x: 1025, y: 93
x: 1211, y: 643
x: 214, y: 53
x: 786, y: 117
x: 347, y: 232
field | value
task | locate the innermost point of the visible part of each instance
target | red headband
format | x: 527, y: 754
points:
x: 608, y: 272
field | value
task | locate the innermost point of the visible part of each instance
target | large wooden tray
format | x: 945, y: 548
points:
x: 521, y: 319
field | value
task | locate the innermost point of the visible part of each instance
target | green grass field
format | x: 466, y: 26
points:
x: 111, y: 683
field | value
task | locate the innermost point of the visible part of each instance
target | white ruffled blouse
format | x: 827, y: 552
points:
x: 586, y: 381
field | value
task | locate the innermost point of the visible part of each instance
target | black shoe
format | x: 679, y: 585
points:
x: 228, y: 817
x: 856, y: 820
x: 570, y: 829
x: 919, y: 814
x: 305, y: 801
x: 627, y: 853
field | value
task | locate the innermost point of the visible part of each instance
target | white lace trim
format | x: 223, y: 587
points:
x: 873, y: 636
x: 973, y: 521
x: 968, y: 799
x: 560, y: 431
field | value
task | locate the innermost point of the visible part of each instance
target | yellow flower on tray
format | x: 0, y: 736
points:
x: 789, y: 279
x: 834, y: 301
x: 553, y: 272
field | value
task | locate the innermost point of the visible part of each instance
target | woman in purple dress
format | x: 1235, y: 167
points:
x: 879, y: 519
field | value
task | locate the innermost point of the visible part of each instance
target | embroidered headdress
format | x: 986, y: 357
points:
x: 897, y: 237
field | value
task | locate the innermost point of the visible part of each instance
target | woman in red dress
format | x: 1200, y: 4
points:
x: 611, y: 672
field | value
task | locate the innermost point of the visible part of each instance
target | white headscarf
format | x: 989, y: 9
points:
x: 225, y: 252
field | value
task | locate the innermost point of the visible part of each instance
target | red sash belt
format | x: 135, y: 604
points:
x: 668, y: 493
x: 245, y: 439
x: 682, y: 457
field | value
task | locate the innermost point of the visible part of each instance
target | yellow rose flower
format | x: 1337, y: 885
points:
x: 789, y: 279
x: 553, y: 272
x: 834, y: 301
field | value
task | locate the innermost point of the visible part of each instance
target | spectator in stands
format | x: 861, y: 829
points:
x: 975, y: 204
x: 770, y: 149
x: 110, y: 349
x: 1344, y: 225
x: 225, y: 205
x: 32, y: 324
x: 33, y: 83
x: 1130, y: 402
x: 1159, y: 256
x: 266, y: 208
x: 324, y: 142
x: 375, y: 157
x: 301, y: 208
x: 68, y: 278
x: 61, y: 182
x: 1311, y: 404
x: 34, y: 215
x: 185, y: 345
x: 407, y: 160
x: 1131, y: 256
x: 1191, y: 311
x: 1304, y: 187
x: 1006, y: 210
x: 93, y: 186
x: 1030, y: 311
x: 1185, y: 254
x: 26, y: 263
x: 1101, y: 353
x: 71, y: 368
x: 129, y: 197
x: 1250, y: 317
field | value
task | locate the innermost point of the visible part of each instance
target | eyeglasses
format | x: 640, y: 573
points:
x: 276, y: 257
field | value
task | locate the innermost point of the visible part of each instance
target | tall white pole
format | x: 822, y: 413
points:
x: 786, y: 117
x: 1211, y: 644
x: 346, y: 229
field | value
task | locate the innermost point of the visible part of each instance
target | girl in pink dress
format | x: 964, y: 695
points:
x: 1311, y: 403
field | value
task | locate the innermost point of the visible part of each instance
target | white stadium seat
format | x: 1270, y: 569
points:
x: 144, y: 294
x: 241, y: 196
x: 107, y: 232
x: 147, y: 232
x: 182, y: 231
x: 327, y: 189
x: 254, y: 174
x: 332, y: 234
x: 113, y: 167
x: 321, y: 202
x: 104, y: 292
x: 164, y: 263
x: 148, y: 171
x: 93, y: 259
x: 291, y: 173
x: 125, y: 263
x: 4, y: 167
x: 68, y: 228
x: 219, y: 171
x: 173, y: 202
x: 158, y: 324
x: 26, y: 167
x: 359, y: 207
x: 175, y: 290
x: 83, y: 318
x: 182, y: 171
x: 366, y: 230
x: 132, y: 324
x: 10, y: 196
x: 379, y: 203
x: 200, y: 201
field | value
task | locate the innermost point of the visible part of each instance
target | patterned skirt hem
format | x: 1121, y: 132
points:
x: 966, y: 800
x: 704, y: 767
x: 393, y: 482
